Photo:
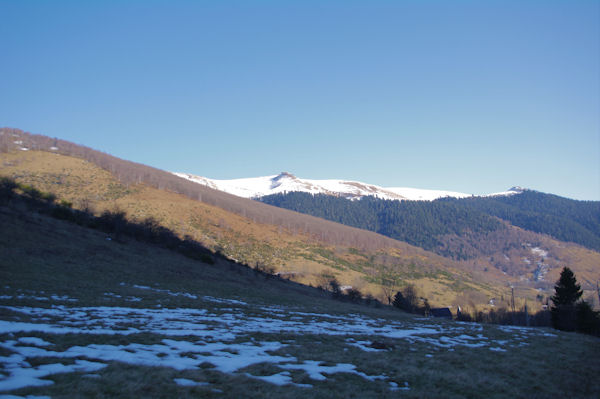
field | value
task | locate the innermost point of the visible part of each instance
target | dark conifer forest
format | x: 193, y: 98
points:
x: 562, y: 218
x: 425, y: 223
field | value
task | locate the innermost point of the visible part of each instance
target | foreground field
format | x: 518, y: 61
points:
x: 84, y: 316
x: 223, y: 346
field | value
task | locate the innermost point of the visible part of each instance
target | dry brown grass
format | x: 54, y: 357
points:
x: 299, y: 255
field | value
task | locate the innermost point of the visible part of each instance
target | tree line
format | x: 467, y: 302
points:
x: 428, y: 224
x: 419, y: 223
x: 562, y: 218
x: 567, y: 313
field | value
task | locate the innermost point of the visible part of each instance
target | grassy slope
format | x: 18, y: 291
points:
x: 301, y: 256
x: 44, y: 254
x: 291, y: 252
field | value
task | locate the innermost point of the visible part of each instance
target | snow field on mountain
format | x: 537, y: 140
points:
x: 220, y: 334
x: 255, y: 187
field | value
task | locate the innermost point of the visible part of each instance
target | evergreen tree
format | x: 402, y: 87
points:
x: 588, y: 321
x: 567, y: 293
x: 567, y: 290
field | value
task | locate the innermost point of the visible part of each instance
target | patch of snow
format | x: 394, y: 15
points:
x: 168, y: 292
x: 21, y: 374
x: 189, y: 383
x: 142, y: 287
x: 409, y: 332
x: 256, y: 187
x: 224, y: 300
x: 230, y: 325
x: 417, y: 194
x: 37, y: 298
x: 34, y: 341
x: 280, y: 379
x: 315, y: 370
x: 498, y: 349
x: 394, y: 386
x: 133, y: 299
x: 63, y: 298
x: 542, y: 269
x: 539, y: 252
x: 512, y: 191
x: 364, y: 345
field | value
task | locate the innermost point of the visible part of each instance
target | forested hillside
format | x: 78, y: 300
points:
x: 562, y: 218
x: 419, y: 223
x: 425, y: 223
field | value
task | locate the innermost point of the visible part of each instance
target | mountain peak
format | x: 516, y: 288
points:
x: 284, y: 175
x: 285, y: 182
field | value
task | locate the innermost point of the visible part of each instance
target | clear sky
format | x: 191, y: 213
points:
x: 470, y: 96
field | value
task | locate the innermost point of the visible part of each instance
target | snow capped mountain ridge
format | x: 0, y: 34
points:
x: 284, y: 182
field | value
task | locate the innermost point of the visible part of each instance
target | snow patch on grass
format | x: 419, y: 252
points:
x: 214, y: 335
x: 21, y: 374
x: 33, y: 341
x: 283, y: 378
x: 184, y: 382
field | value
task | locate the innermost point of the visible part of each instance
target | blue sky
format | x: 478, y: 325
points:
x: 471, y: 96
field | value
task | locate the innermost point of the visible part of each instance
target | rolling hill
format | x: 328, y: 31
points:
x: 294, y: 245
x: 300, y: 247
x: 85, y: 316
x: 429, y: 224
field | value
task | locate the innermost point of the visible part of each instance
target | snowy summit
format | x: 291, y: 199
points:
x: 285, y: 182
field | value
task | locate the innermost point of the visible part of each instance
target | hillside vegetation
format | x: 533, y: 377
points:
x: 420, y: 223
x: 562, y: 218
x: 302, y: 248
x: 84, y: 316
x: 298, y: 248
x: 425, y: 223
x: 485, y: 232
